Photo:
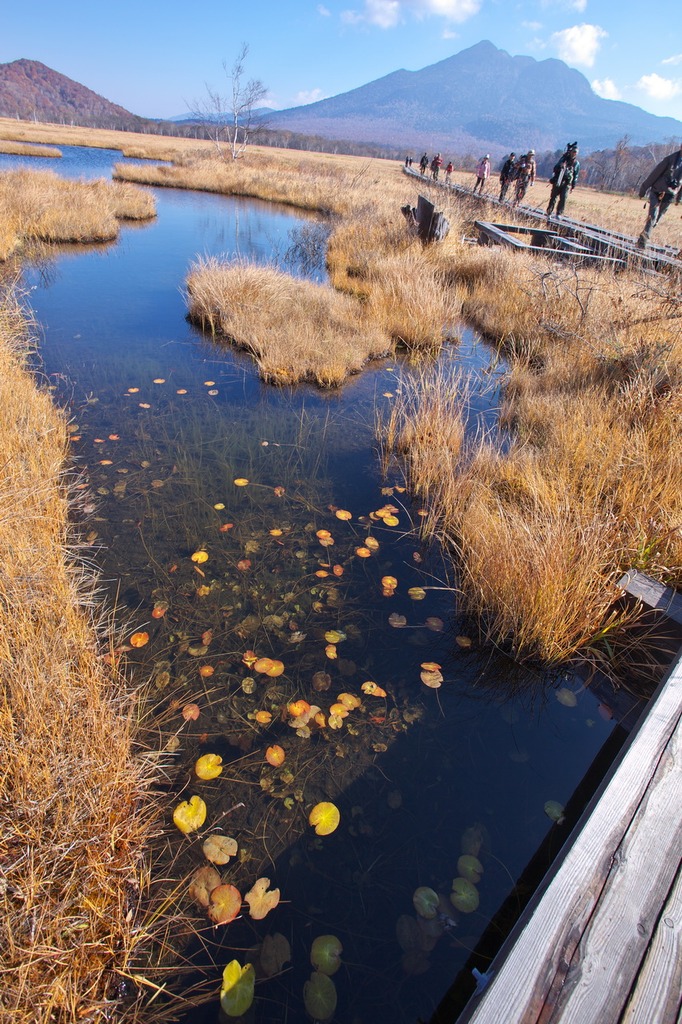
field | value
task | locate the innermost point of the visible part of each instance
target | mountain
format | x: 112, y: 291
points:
x: 31, y: 91
x: 480, y: 99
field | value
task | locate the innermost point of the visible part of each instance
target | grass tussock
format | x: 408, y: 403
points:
x: 296, y: 330
x: 28, y: 149
x: 41, y: 206
x: 74, y: 819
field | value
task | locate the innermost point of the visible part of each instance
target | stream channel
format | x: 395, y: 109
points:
x: 164, y: 421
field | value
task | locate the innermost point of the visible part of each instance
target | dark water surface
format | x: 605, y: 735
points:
x: 164, y: 422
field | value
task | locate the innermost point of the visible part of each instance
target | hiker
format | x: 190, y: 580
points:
x: 448, y: 171
x: 482, y: 173
x: 525, y: 175
x: 424, y: 163
x: 507, y: 175
x: 436, y: 165
x: 664, y: 185
x: 564, y: 178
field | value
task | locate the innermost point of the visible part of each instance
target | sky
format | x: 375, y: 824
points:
x: 157, y: 59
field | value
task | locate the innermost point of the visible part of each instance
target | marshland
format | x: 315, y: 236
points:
x: 284, y: 484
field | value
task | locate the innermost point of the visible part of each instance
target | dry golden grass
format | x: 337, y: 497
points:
x: 27, y: 149
x: 295, y: 330
x: 75, y: 820
x: 39, y: 205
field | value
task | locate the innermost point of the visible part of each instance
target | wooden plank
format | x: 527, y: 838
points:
x: 542, y: 945
x: 652, y: 593
x: 656, y: 996
x: 494, y: 234
x: 607, y: 960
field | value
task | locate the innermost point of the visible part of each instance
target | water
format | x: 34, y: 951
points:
x: 75, y: 162
x: 163, y: 422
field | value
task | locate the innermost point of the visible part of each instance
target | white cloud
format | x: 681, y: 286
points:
x: 324, y: 11
x: 532, y: 26
x: 658, y: 88
x: 579, y: 44
x: 606, y: 88
x: 677, y: 59
x: 389, y: 13
x: 447, y: 33
x: 308, y: 96
x: 578, y: 5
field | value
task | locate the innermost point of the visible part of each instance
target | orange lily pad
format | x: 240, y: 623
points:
x: 225, y: 904
x: 275, y: 755
x: 139, y: 639
x: 372, y: 690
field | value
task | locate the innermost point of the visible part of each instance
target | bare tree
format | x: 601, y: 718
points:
x: 232, y: 121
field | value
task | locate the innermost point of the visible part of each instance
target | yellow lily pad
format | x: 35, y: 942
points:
x: 190, y: 814
x: 236, y: 993
x: 208, y: 766
x: 325, y: 818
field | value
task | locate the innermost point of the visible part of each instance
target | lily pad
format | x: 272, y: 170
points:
x: 219, y: 849
x: 324, y: 817
x: 464, y: 896
x: 225, y: 904
x: 555, y: 811
x: 470, y: 868
x: 319, y: 996
x: 208, y: 766
x: 275, y: 952
x: 261, y: 899
x: 325, y: 954
x: 425, y: 901
x: 202, y: 883
x: 190, y: 814
x: 236, y: 993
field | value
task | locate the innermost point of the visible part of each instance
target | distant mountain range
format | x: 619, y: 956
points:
x: 480, y: 99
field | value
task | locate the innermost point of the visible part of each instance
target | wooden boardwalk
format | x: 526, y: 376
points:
x: 601, y: 941
x: 611, y: 246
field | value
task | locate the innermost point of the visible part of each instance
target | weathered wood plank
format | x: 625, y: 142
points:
x: 540, y: 950
x: 657, y: 996
x: 613, y: 945
x: 652, y: 593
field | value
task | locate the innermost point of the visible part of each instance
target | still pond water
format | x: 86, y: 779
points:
x: 164, y: 421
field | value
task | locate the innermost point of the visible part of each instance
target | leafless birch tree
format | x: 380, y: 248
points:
x: 231, y: 121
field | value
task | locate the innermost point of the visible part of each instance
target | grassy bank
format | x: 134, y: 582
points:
x: 41, y: 206
x: 75, y: 820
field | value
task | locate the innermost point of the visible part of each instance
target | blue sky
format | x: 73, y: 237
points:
x: 155, y: 59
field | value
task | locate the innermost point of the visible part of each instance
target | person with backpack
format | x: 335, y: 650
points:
x: 507, y: 175
x: 564, y: 178
x: 525, y: 175
x: 664, y: 185
x: 448, y: 171
x: 482, y: 173
x: 436, y: 165
x: 423, y: 163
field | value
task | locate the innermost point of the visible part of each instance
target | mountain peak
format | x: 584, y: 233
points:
x: 479, y: 99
